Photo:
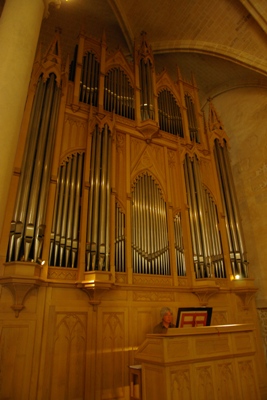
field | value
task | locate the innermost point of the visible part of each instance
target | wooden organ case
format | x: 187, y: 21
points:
x: 124, y: 188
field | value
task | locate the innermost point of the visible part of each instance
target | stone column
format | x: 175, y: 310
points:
x: 20, y: 25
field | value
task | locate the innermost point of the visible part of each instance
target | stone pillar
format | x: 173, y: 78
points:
x: 20, y: 24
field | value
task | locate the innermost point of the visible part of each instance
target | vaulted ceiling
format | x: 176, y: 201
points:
x: 222, y: 42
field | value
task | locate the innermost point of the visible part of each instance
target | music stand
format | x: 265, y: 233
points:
x: 193, y: 316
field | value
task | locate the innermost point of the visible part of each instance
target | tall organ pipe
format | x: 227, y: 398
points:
x: 119, y: 240
x: 147, y: 92
x: 98, y: 239
x: 42, y: 205
x: 65, y: 226
x: 233, y: 224
x: 57, y: 220
x: 37, y: 173
x: 198, y: 234
x: 96, y: 196
x: 89, y: 79
x: 75, y: 228
x: 208, y: 257
x: 202, y: 214
x: 191, y: 216
x: 104, y: 205
x: 30, y: 207
x: 18, y: 221
x: 71, y: 206
x: 150, y: 251
x: 179, y: 248
x: 90, y: 202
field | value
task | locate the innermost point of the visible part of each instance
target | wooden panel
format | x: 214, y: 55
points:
x: 69, y: 356
x: 16, y: 351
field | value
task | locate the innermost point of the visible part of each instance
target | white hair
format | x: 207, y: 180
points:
x: 164, y: 311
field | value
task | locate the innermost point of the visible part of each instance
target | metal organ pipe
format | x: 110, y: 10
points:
x: 193, y: 191
x: 233, y: 201
x: 195, y: 218
x: 57, y: 219
x: 97, y: 249
x: 208, y: 257
x: 104, y: 204
x: 191, y: 118
x: 147, y: 93
x: 233, y: 225
x: 118, y: 94
x: 30, y: 208
x: 214, y: 237
x: 119, y: 240
x: 90, y: 200
x: 18, y: 221
x: 47, y: 165
x: 108, y: 196
x: 149, y: 232
x: 179, y: 248
x: 96, y: 202
x: 191, y: 215
x: 75, y: 229
x: 65, y: 227
x: 89, y: 79
x: 228, y: 204
x: 170, y: 119
x: 71, y: 206
x: 202, y: 217
x: 150, y: 90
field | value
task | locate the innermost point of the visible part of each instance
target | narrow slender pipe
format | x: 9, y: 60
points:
x: 96, y: 80
x: 96, y: 199
x: 59, y: 211
x: 18, y: 222
x: 191, y: 215
x: 91, y: 201
x: 107, y: 241
x: 54, y: 221
x: 75, y: 228
x: 65, y: 214
x: 45, y: 178
x: 70, y: 213
x: 228, y: 201
x: 233, y: 201
x: 38, y: 169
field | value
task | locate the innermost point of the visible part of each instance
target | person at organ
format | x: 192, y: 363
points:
x: 166, y: 315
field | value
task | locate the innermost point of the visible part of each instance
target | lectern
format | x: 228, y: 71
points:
x: 200, y: 363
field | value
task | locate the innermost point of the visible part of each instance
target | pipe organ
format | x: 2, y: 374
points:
x: 125, y: 189
x: 133, y: 195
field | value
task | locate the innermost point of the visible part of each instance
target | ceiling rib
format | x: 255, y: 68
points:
x: 123, y: 22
